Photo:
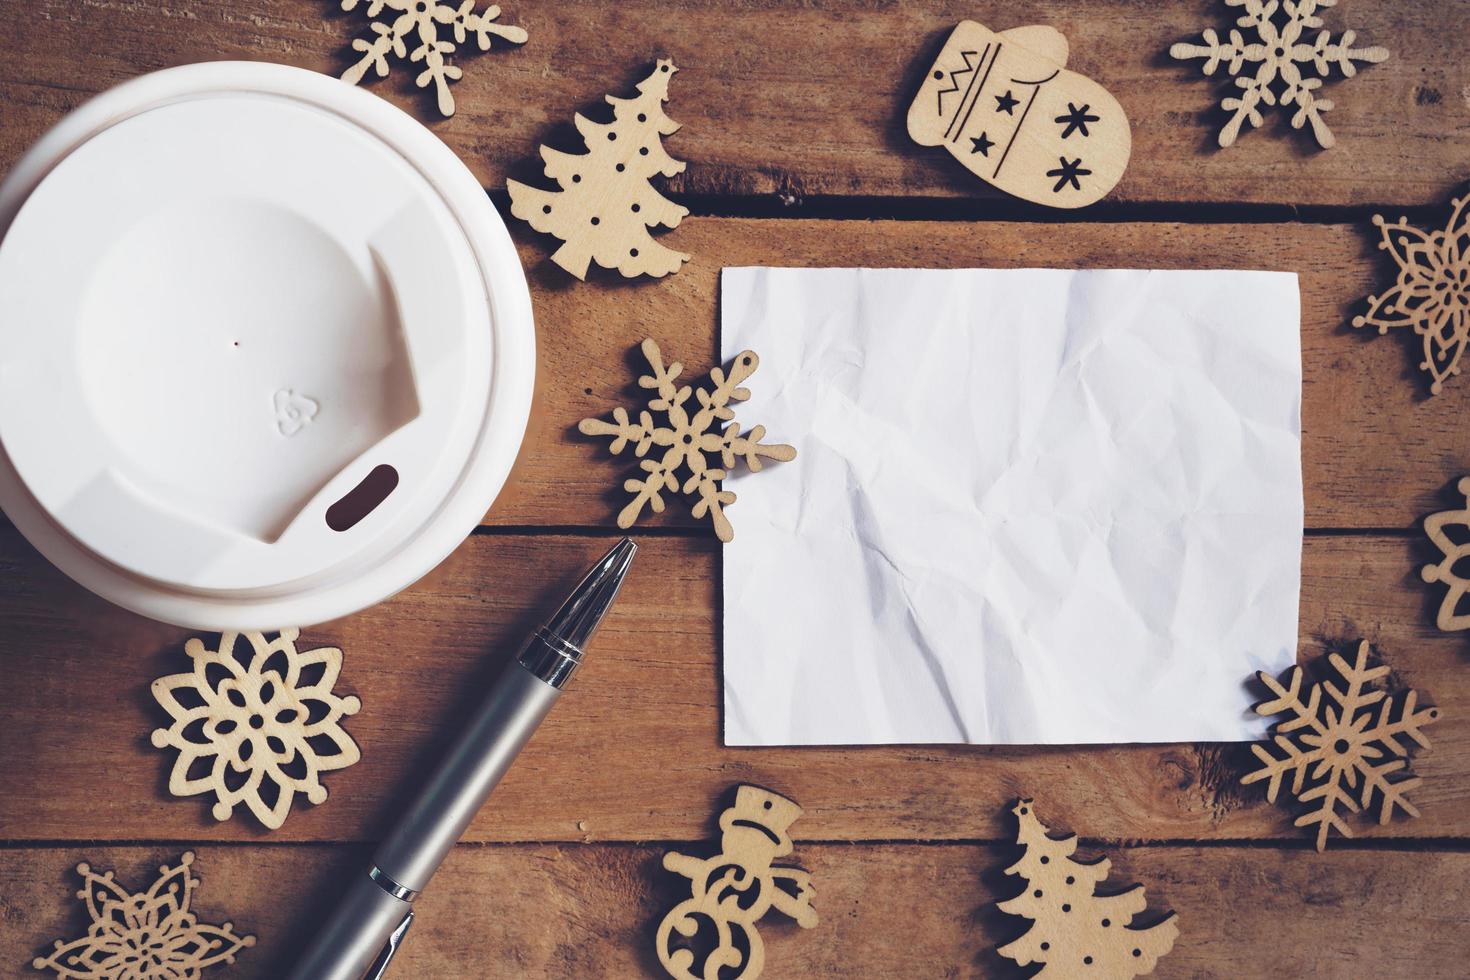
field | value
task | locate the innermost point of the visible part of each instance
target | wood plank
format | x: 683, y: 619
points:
x: 813, y: 103
x: 1376, y: 451
x: 887, y: 910
x: 634, y: 751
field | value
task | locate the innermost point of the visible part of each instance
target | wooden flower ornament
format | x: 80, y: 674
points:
x: 149, y: 935
x: 697, y: 450
x: 1453, y: 548
x: 267, y: 726
x: 1432, y: 294
x: 1340, y: 750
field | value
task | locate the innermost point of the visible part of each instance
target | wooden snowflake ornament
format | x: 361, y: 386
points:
x: 1453, y: 547
x: 1340, y: 756
x: 1279, y: 65
x: 148, y: 935
x: 1077, y: 932
x: 606, y: 204
x: 712, y: 933
x: 418, y: 22
x: 695, y: 445
x: 1432, y: 294
x: 263, y: 722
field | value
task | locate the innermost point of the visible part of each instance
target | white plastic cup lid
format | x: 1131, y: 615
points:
x: 266, y: 348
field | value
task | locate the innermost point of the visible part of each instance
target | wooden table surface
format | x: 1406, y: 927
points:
x: 793, y: 128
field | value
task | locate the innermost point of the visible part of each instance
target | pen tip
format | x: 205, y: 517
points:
x: 578, y: 618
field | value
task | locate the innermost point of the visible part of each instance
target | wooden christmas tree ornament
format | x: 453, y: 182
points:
x: 1077, y: 932
x: 1004, y: 105
x: 263, y: 728
x: 696, y: 444
x: 730, y: 892
x: 1279, y: 65
x: 1333, y: 753
x: 606, y: 204
x: 149, y: 935
x: 418, y: 22
x: 1452, y: 547
x: 1432, y: 294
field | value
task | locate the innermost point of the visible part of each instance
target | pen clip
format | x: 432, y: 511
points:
x: 395, y: 939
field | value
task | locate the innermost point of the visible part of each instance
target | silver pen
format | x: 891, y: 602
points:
x: 366, y: 927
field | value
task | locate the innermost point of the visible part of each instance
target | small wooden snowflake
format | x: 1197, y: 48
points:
x: 263, y: 729
x: 694, y: 444
x: 1333, y: 753
x: 148, y: 935
x: 1278, y: 65
x: 421, y: 21
x: 1432, y: 294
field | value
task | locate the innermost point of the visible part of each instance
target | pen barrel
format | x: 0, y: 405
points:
x: 463, y: 779
x: 353, y: 937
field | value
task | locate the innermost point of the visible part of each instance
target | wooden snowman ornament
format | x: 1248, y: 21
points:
x: 1005, y: 106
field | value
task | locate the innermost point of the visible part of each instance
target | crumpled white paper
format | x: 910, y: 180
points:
x: 1030, y: 506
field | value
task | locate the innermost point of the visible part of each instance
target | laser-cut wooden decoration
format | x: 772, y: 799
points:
x: 731, y: 891
x: 1076, y: 932
x: 1453, y: 547
x: 1279, y: 65
x: 1005, y: 105
x: 1332, y: 753
x: 606, y: 204
x: 150, y: 935
x: 697, y: 444
x: 1432, y: 293
x: 265, y: 724
x: 419, y: 21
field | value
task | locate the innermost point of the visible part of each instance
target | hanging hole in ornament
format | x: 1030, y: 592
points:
x: 596, y: 220
x: 1087, y: 960
x: 635, y: 209
x: 620, y: 168
x: 642, y: 117
x: 612, y: 136
x: 1066, y: 908
x: 1138, y: 952
x: 1107, y: 922
x: 1036, y: 894
x: 633, y: 252
x: 546, y: 209
x: 1045, y: 947
x: 643, y: 151
x: 576, y: 178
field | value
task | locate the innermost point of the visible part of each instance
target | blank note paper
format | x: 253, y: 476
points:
x: 1030, y: 506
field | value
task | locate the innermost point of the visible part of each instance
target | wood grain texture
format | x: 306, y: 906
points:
x: 1376, y: 450
x: 815, y: 106
x: 634, y: 751
x: 888, y: 911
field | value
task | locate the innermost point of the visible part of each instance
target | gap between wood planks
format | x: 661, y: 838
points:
x: 980, y: 209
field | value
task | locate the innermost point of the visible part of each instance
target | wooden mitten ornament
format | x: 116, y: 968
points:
x: 149, y: 935
x: 606, y: 204
x: 712, y: 933
x: 262, y: 719
x: 1004, y: 105
x: 1077, y: 932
